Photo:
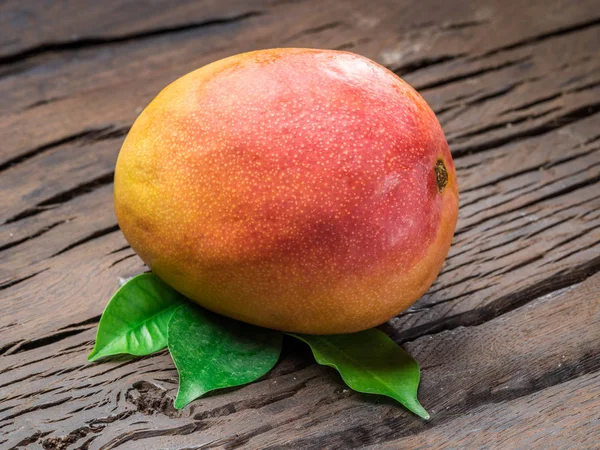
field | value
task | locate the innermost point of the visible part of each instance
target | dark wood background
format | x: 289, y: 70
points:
x: 508, y: 337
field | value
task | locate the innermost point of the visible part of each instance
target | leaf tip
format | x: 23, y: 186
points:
x: 419, y: 411
x: 178, y: 405
x: 180, y: 402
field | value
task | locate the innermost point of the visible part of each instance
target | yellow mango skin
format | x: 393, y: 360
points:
x: 293, y: 189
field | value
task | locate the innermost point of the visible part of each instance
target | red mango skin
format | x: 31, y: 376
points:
x: 293, y: 189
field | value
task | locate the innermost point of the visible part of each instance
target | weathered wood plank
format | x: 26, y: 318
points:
x: 17, y: 208
x: 128, y: 402
x: 85, y: 218
x: 29, y: 29
x: 60, y: 170
x: 116, y: 92
x: 515, y: 90
x: 560, y: 417
x: 472, y: 367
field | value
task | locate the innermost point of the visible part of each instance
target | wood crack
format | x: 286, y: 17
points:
x: 362, y: 435
x: 96, y: 134
x: 537, y: 102
x: 38, y: 233
x: 89, y: 237
x: 498, y: 125
x: 44, y: 341
x: 502, y: 305
x: 63, y: 197
x: 91, y: 42
x: 182, y: 430
x: 569, y: 240
x: 12, y: 283
x: 94, y: 426
x: 544, y: 36
x: 124, y: 258
x: 560, y: 192
x: 566, y: 255
x: 553, y: 124
x: 472, y: 73
x: 91, y: 321
x: 37, y: 408
x: 243, y: 439
x: 558, y: 161
x: 315, y: 30
x: 255, y: 403
x: 466, y: 24
x: 31, y: 439
x: 422, y: 63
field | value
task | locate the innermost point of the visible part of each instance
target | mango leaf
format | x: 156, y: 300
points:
x: 136, y: 318
x: 213, y: 352
x: 370, y: 362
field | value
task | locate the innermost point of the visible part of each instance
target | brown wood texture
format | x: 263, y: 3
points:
x: 508, y: 336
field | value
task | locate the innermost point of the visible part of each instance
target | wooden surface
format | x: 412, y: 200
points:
x: 508, y: 337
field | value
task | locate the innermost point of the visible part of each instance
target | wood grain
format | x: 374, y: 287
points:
x: 559, y: 417
x: 300, y: 405
x: 31, y: 29
x: 507, y: 336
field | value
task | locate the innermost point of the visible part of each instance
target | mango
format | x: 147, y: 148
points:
x: 304, y: 190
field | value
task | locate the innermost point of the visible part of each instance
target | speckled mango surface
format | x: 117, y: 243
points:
x: 304, y: 190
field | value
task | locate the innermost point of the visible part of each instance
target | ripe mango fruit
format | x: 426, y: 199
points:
x: 303, y: 190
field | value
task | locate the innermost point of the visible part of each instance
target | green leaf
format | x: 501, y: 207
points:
x: 213, y: 352
x: 136, y: 318
x: 370, y: 362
